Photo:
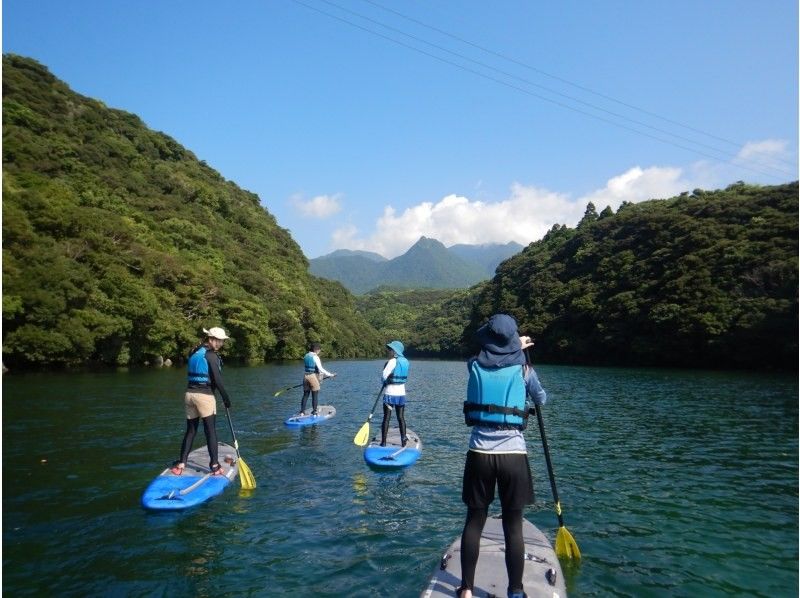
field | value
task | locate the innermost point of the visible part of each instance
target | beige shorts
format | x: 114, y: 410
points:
x: 199, y: 404
x: 311, y: 382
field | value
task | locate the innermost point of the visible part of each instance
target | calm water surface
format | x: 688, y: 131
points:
x: 673, y: 483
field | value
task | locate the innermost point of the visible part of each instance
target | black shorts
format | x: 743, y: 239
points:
x: 510, y: 472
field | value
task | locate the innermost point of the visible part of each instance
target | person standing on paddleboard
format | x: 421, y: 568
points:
x: 312, y: 378
x: 499, y: 380
x: 205, y: 376
x: 394, y: 376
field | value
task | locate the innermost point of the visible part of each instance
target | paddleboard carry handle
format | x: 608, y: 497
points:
x: 446, y: 557
x: 551, y: 576
x: 176, y: 495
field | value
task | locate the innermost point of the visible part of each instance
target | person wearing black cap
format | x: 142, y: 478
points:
x: 205, y: 376
x: 394, y: 376
x: 496, y: 408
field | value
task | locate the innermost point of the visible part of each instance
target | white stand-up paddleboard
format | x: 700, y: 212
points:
x: 542, y: 577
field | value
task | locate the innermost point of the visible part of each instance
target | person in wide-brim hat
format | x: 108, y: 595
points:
x: 496, y: 407
x: 205, y: 377
x: 394, y: 377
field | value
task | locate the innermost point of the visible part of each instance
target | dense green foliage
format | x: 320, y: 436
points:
x: 707, y: 279
x: 429, y: 322
x: 119, y: 246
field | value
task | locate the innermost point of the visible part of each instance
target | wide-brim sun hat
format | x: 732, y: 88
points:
x: 397, y: 347
x: 499, y: 334
x: 500, y: 344
x: 216, y: 332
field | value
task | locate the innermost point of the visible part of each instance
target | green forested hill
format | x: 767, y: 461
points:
x: 119, y: 245
x: 429, y: 322
x: 708, y: 279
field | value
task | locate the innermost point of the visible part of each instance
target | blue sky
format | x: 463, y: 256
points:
x: 365, y: 124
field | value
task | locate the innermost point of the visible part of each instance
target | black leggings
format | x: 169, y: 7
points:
x: 471, y: 546
x: 314, y: 400
x: 401, y: 421
x: 210, y: 428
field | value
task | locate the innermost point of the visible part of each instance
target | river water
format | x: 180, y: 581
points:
x: 672, y: 482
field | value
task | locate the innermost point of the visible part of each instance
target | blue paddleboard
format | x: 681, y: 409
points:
x: 394, y: 455
x: 170, y: 492
x: 325, y: 413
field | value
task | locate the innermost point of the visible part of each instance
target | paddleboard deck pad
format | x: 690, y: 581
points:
x: 196, y: 485
x: 542, y: 576
x: 325, y: 412
x: 393, y: 455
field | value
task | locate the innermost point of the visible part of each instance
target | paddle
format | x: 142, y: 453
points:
x: 282, y: 390
x: 566, y: 547
x: 362, y: 436
x: 246, y: 477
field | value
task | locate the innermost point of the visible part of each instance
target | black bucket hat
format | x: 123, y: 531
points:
x: 499, y: 339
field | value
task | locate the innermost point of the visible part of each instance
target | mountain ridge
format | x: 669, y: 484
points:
x: 426, y: 264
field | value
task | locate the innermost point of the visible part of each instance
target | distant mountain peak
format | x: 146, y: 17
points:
x: 426, y: 243
x: 370, y: 255
x: 428, y: 263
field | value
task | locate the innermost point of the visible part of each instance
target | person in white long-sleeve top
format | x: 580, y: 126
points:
x: 394, y: 376
x: 312, y: 378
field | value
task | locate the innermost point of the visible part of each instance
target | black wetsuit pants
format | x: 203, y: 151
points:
x: 210, y: 428
x: 314, y: 400
x: 400, y: 410
x: 471, y: 544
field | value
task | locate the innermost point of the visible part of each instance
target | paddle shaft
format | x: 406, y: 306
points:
x: 233, y: 434
x: 362, y: 436
x: 298, y: 386
x: 375, y: 404
x: 549, y: 464
x: 546, y: 449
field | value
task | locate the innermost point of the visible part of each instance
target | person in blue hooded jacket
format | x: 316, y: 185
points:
x: 394, y: 376
x: 500, y: 380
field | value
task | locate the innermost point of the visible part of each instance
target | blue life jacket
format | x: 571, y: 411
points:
x: 310, y: 364
x: 400, y: 373
x: 496, y: 397
x: 198, y: 368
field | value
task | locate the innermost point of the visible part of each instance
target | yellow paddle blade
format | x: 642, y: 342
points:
x: 566, y: 547
x: 362, y: 437
x: 246, y: 476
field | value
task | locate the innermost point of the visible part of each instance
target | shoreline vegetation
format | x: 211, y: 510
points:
x: 119, y: 246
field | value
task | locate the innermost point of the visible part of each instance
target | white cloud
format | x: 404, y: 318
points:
x: 768, y: 148
x: 637, y: 184
x: 525, y: 216
x: 766, y: 155
x: 529, y: 212
x: 321, y: 206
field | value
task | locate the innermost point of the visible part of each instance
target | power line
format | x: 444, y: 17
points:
x: 550, y: 75
x: 727, y: 155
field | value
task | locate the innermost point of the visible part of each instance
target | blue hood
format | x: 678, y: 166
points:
x: 499, y: 341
